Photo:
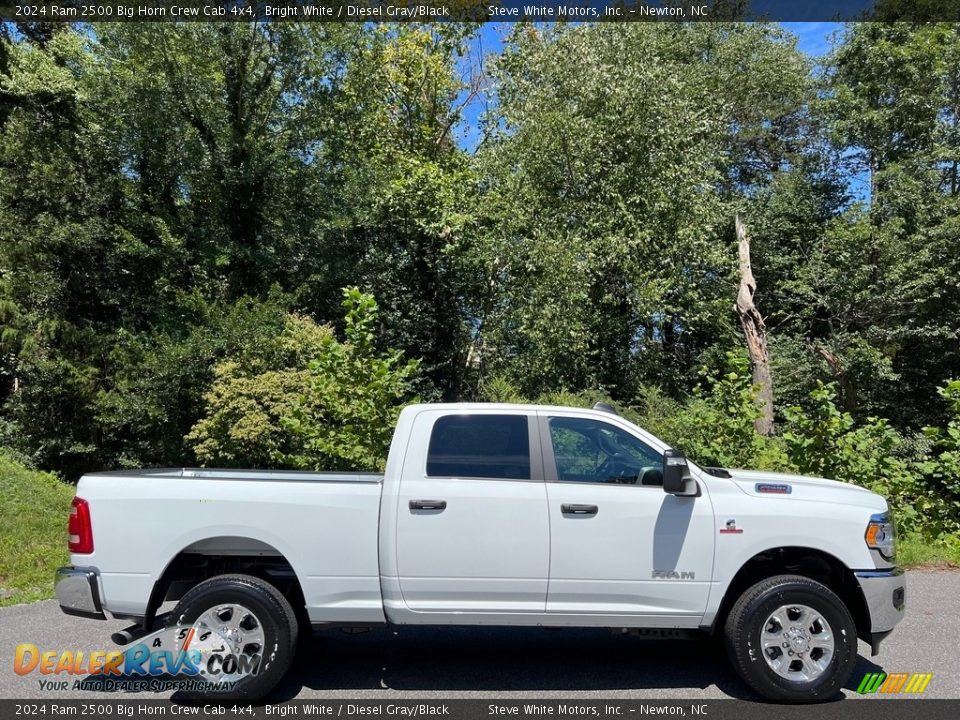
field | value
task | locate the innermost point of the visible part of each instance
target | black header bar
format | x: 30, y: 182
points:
x: 411, y: 708
x: 478, y: 10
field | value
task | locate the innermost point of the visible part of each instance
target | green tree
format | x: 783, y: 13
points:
x: 595, y: 244
x: 154, y: 178
x: 310, y: 401
x: 611, y: 185
x: 63, y: 248
x: 892, y: 103
x: 403, y: 192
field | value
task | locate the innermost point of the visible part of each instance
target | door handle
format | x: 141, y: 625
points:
x: 578, y: 509
x: 428, y: 504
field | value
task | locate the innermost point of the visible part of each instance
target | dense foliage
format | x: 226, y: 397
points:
x: 305, y: 400
x: 182, y: 206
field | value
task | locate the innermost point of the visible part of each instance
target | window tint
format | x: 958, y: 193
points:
x: 481, y: 446
x: 594, y: 451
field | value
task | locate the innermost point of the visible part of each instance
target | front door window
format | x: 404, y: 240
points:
x: 592, y: 451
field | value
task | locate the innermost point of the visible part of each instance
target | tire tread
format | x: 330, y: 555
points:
x: 736, y: 628
x: 280, y: 606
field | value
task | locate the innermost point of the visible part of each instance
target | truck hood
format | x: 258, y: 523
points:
x: 783, y: 486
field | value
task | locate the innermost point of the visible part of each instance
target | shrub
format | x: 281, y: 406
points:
x: 157, y: 393
x: 716, y: 427
x: 827, y: 442
x: 309, y: 401
x: 499, y: 389
x: 942, y: 468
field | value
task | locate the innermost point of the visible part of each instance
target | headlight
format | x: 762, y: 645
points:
x: 880, y: 535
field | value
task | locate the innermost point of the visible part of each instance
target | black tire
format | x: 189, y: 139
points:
x: 745, y: 623
x: 271, y: 609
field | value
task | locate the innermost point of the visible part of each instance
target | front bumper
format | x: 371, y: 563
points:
x: 885, y: 595
x: 78, y: 592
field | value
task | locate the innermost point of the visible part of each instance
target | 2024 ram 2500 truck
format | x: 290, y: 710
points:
x: 495, y: 514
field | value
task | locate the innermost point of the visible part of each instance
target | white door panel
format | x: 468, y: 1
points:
x: 605, y: 562
x: 620, y: 544
x: 487, y: 549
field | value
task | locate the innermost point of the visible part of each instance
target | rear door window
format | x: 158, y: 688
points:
x: 480, y: 446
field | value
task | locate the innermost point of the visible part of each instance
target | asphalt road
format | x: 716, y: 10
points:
x: 497, y: 662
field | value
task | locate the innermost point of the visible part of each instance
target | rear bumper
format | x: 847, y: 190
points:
x: 885, y: 595
x: 78, y: 592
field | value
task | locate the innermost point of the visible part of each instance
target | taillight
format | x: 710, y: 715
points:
x: 79, y: 528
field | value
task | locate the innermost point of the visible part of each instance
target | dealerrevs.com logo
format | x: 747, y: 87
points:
x: 175, y: 658
x: 894, y: 683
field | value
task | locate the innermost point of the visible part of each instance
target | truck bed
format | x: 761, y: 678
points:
x: 325, y: 525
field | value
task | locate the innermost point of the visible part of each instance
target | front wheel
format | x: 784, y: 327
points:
x: 792, y: 639
x: 248, y: 625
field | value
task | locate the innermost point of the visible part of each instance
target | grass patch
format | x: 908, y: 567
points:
x: 918, y: 551
x: 33, y: 531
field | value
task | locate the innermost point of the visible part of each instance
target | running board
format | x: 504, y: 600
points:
x: 661, y: 633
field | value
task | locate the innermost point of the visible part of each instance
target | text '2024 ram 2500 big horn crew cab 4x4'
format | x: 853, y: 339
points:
x: 496, y: 514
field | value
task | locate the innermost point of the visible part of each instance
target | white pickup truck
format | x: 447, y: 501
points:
x: 496, y: 514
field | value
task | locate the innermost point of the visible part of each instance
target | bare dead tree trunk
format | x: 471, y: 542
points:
x: 755, y: 331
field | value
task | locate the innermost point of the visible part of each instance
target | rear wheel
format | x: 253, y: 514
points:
x: 792, y: 639
x: 250, y: 627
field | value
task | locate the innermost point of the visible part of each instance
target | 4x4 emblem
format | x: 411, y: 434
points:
x: 731, y: 528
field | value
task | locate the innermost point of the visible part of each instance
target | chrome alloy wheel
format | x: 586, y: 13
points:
x: 236, y: 631
x: 797, y: 642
